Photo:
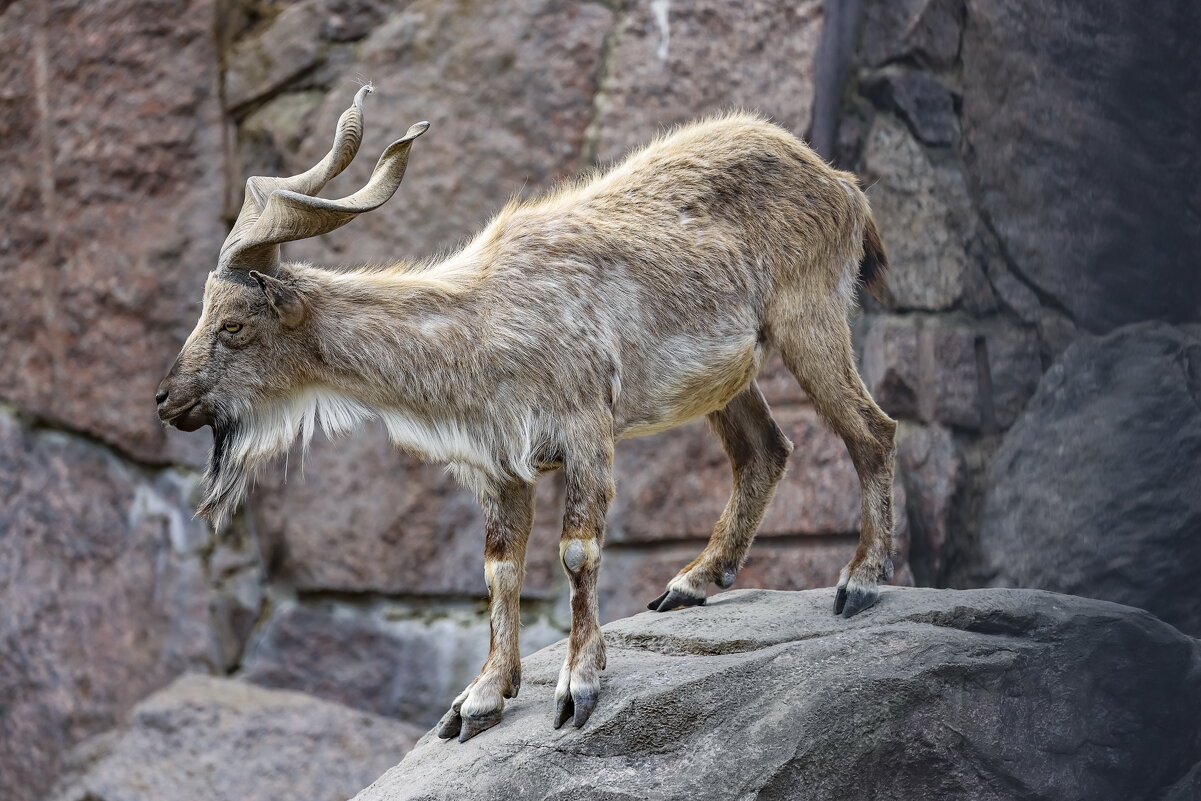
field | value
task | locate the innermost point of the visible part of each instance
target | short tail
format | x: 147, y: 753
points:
x: 874, y: 264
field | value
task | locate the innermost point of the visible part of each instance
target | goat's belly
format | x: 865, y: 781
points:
x: 688, y: 387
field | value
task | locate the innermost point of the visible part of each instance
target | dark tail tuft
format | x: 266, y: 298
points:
x: 874, y: 264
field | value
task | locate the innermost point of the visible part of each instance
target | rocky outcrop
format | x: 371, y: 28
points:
x: 107, y: 592
x: 111, y: 144
x: 206, y: 738
x: 932, y: 467
x: 942, y: 370
x: 672, y: 62
x: 1028, y: 165
x: 508, y: 89
x: 923, y: 208
x: 982, y: 694
x: 1097, y: 490
x: 1080, y: 120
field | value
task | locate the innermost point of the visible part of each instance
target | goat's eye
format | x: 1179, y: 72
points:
x: 232, y: 328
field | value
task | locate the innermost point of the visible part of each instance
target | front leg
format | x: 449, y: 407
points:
x: 589, y: 491
x: 508, y: 516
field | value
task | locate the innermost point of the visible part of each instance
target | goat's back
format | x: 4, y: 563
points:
x: 733, y: 198
x: 667, y: 264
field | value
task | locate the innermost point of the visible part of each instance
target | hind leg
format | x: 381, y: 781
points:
x: 758, y: 453
x: 817, y: 349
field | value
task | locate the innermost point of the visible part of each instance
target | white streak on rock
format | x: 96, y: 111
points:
x: 660, y: 8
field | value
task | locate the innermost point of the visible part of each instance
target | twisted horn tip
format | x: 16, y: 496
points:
x: 361, y: 95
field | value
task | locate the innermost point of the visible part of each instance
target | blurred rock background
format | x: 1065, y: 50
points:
x: 1032, y: 165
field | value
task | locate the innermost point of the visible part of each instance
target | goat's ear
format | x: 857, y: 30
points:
x: 284, y: 300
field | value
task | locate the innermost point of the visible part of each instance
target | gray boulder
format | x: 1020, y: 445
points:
x: 938, y: 694
x: 1097, y: 489
x: 1081, y: 124
x: 207, y: 739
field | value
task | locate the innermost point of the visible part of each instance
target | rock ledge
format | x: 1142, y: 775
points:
x: 983, y: 694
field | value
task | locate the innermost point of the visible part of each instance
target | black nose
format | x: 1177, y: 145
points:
x: 161, y: 395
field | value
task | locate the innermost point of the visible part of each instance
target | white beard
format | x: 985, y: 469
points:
x: 244, y: 443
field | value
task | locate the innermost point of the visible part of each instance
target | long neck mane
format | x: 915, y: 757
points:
x: 414, y: 347
x: 409, y: 346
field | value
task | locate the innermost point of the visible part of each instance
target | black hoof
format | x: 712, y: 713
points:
x: 886, y: 571
x: 727, y: 578
x: 564, y: 709
x: 450, y: 725
x: 859, y: 598
x: 584, y: 704
x: 674, y: 600
x: 472, y: 726
x: 575, y: 707
x: 840, y: 600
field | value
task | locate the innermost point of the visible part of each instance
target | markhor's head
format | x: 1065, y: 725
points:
x: 252, y: 351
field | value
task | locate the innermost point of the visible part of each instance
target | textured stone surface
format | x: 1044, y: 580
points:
x: 289, y: 46
x: 1013, y: 292
x: 374, y: 659
x: 220, y: 739
x: 925, y: 30
x: 1189, y: 787
x: 946, y: 370
x: 274, y: 129
x: 925, y: 216
x: 1084, y: 156
x: 932, y: 472
x: 356, y: 515
x: 818, y: 495
x: 922, y: 102
x: 986, y: 694
x: 507, y: 88
x: 104, y: 596
x: 237, y: 577
x: 890, y: 365
x: 110, y: 137
x: 673, y: 62
x: 1097, y: 489
x: 348, y: 20
x: 778, y: 385
x: 1014, y: 363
